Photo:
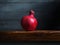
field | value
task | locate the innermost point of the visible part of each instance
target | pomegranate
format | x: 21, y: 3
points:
x: 29, y: 22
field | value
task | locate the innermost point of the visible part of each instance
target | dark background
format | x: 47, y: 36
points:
x: 47, y: 12
x: 31, y: 43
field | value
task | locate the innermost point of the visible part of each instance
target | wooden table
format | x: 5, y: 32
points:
x: 39, y: 35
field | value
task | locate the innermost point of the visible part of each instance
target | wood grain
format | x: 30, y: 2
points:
x: 39, y: 35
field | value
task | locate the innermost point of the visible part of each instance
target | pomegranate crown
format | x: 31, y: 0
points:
x: 31, y: 12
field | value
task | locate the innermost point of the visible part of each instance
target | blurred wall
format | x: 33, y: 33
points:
x: 46, y: 12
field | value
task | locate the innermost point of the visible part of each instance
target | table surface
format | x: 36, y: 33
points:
x: 38, y: 35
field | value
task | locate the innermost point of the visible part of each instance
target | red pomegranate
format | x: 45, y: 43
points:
x: 29, y: 22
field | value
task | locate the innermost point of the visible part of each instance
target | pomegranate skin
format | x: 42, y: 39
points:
x: 29, y: 22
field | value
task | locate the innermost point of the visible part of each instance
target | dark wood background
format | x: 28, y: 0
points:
x: 46, y: 11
